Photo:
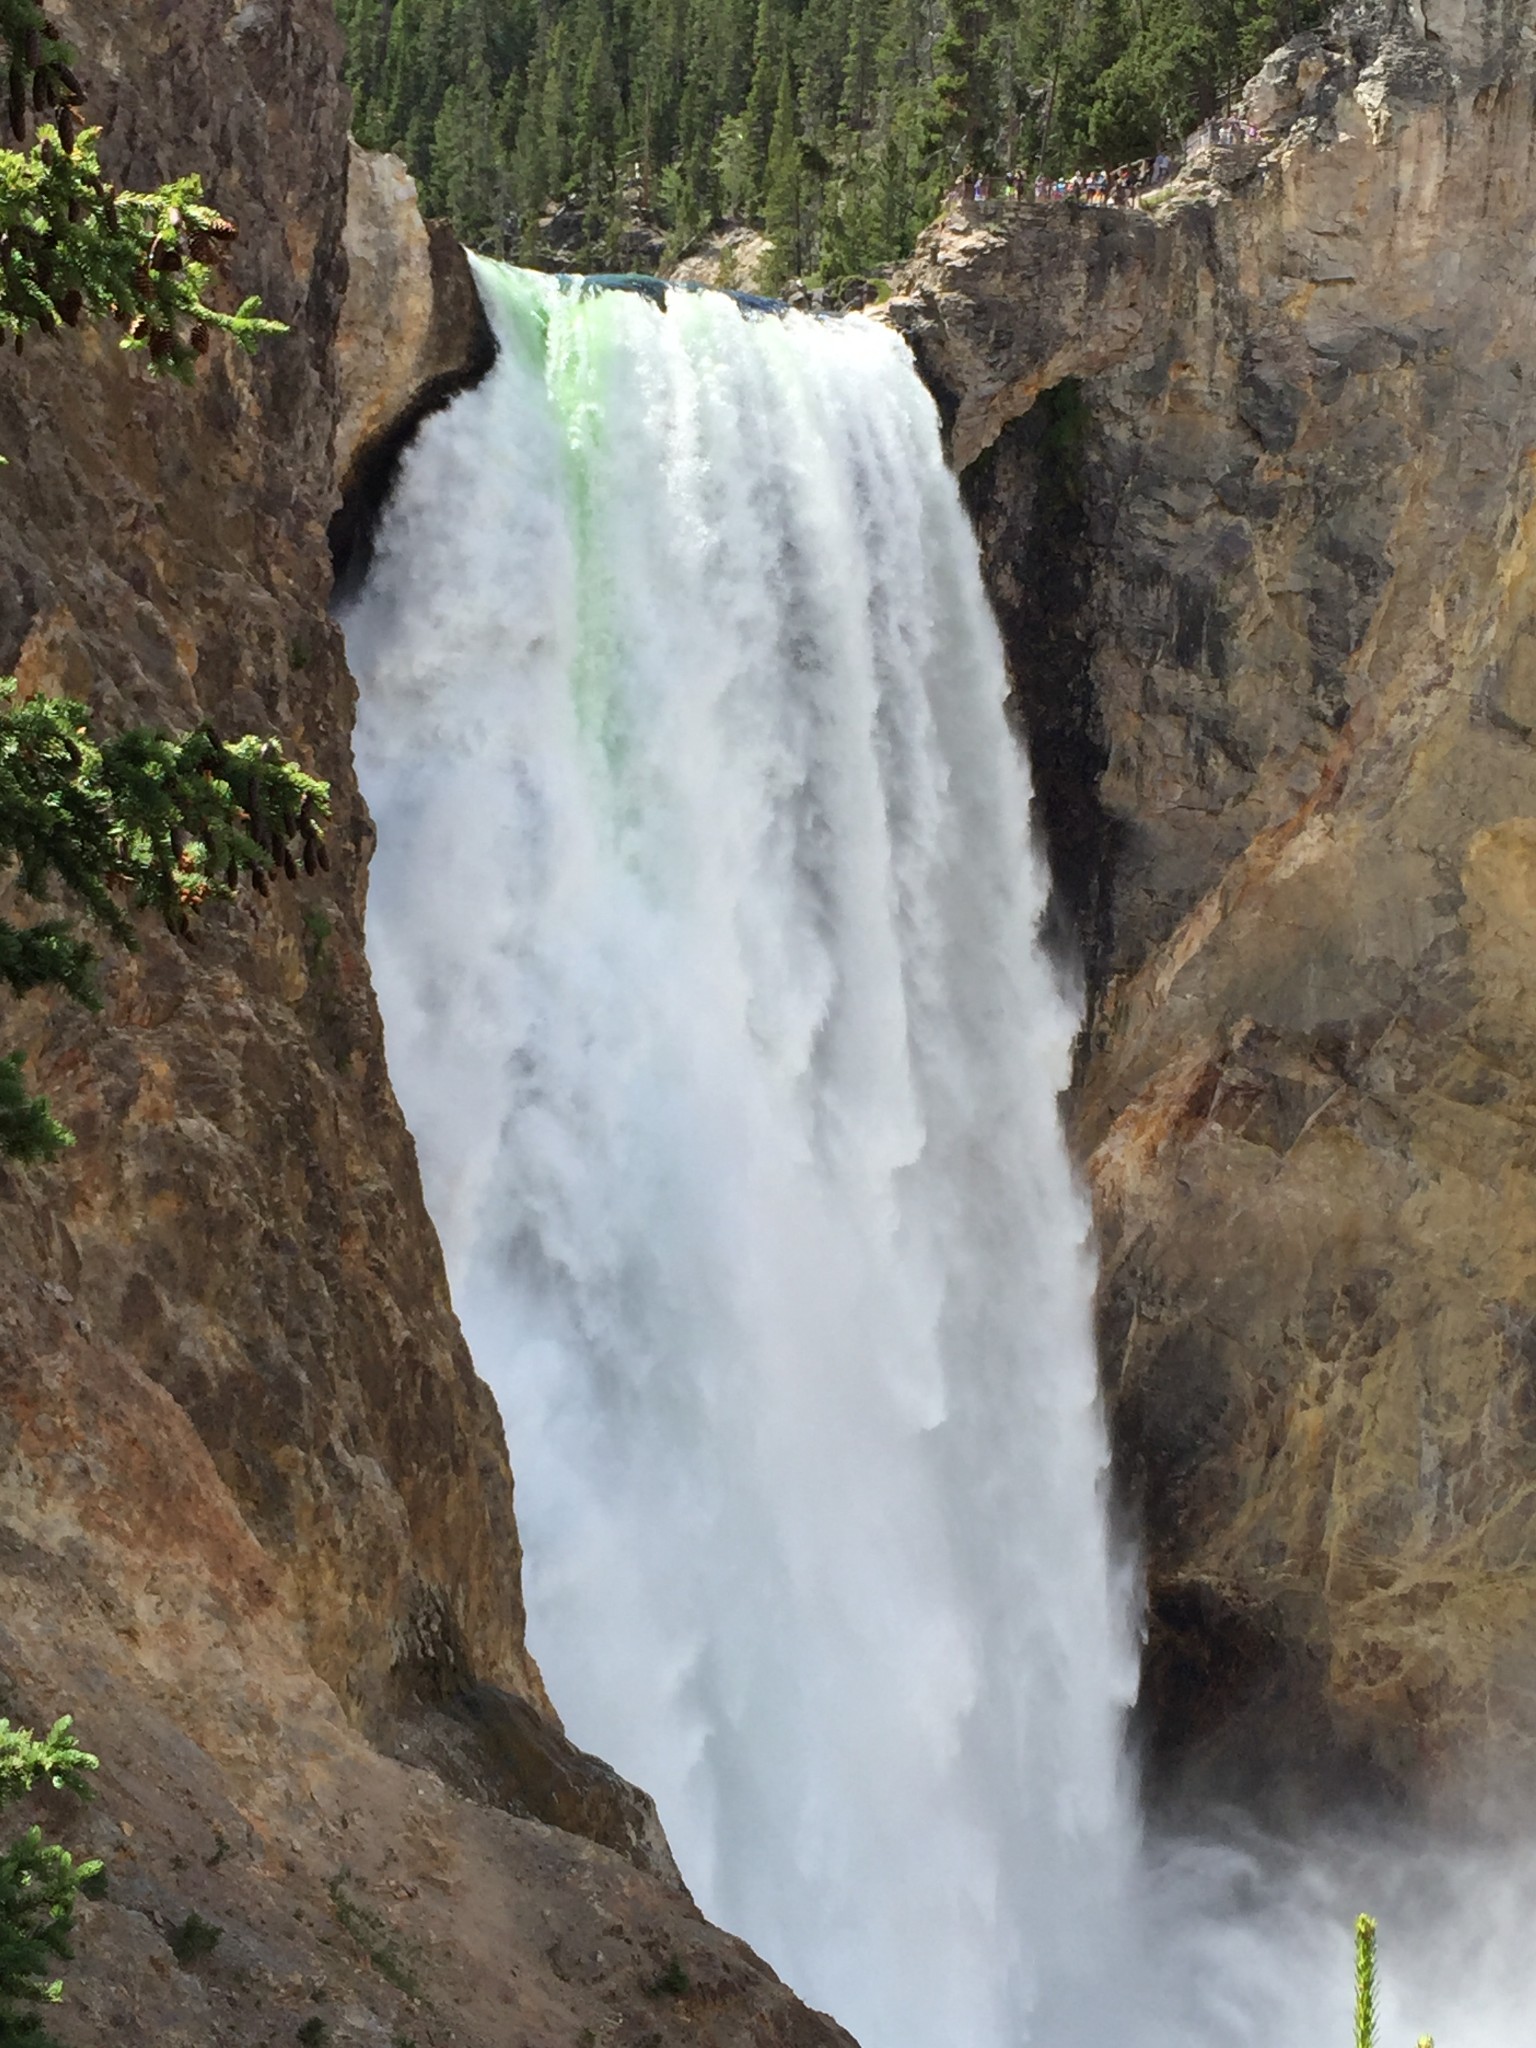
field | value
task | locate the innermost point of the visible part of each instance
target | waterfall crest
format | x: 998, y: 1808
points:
x: 704, y: 923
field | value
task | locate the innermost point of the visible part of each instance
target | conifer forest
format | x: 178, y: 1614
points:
x: 833, y: 125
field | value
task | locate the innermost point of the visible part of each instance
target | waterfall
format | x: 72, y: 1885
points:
x: 704, y: 925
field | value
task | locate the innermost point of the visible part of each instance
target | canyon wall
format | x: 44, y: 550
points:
x: 256, y: 1514
x: 1253, y: 473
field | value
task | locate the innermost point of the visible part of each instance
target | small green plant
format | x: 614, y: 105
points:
x: 1365, y: 1986
x: 373, y: 1935
x: 194, y: 1939
x: 673, y: 1981
x: 1365, y: 1982
x: 39, y: 1882
x: 313, y: 2033
x: 317, y: 932
x: 220, y: 1851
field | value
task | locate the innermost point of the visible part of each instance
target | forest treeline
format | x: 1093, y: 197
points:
x: 835, y: 125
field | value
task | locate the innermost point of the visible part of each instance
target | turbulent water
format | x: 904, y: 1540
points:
x: 704, y: 922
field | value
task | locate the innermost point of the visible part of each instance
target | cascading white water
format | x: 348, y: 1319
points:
x: 703, y: 920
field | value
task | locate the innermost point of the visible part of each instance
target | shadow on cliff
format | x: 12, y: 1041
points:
x: 1027, y: 495
x: 507, y: 1751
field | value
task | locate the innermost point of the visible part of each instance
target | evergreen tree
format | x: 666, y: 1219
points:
x: 471, y: 180
x: 783, y: 182
x: 769, y: 46
x: 596, y: 116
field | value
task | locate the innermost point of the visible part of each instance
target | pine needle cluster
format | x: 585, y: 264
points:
x: 147, y: 820
x: 39, y: 1883
x: 73, y: 248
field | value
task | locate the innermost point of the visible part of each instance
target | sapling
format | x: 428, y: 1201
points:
x: 1365, y: 1986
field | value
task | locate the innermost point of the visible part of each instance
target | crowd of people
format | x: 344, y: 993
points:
x: 1227, y: 131
x: 1119, y: 187
x: 1122, y: 186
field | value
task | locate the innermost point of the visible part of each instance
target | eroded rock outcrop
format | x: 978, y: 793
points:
x: 412, y: 335
x: 256, y: 1515
x: 1254, y: 479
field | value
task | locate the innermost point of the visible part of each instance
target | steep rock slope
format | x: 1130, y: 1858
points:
x: 239, y: 1216
x: 255, y: 1508
x: 1254, y: 480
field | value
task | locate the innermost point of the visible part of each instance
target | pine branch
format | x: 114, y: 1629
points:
x: 146, y: 821
x: 74, y: 248
x: 29, y: 1134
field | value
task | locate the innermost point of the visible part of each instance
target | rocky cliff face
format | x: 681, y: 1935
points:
x: 1254, y: 480
x: 255, y: 1508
